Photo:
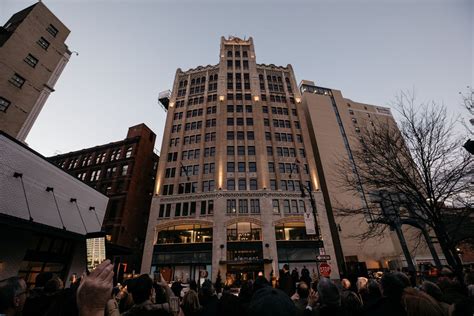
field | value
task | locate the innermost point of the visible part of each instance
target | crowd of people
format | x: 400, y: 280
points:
x: 94, y: 294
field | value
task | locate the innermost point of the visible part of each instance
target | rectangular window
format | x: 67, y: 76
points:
x: 230, y: 184
x: 273, y: 184
x: 302, y: 206
x: 243, y: 206
x: 124, y: 170
x: 255, y: 206
x: 230, y: 135
x: 286, y: 206
x: 185, y: 208
x: 168, y: 210
x: 177, y: 210
x: 230, y: 150
x: 31, y: 60
x: 250, y: 135
x: 242, y: 184
x: 251, y: 150
x: 17, y: 80
x: 294, y: 206
x: 253, y: 184
x: 210, y: 207
x: 276, y: 206
x: 231, y: 206
x: 52, y: 30
x: 241, y: 150
x: 241, y: 166
x: 4, y: 104
x: 269, y: 151
x: 230, y: 167
x: 252, y: 167
x: 162, y: 211
x: 43, y: 43
x: 203, y: 207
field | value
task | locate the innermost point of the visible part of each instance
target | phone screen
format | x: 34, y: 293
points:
x: 95, y: 244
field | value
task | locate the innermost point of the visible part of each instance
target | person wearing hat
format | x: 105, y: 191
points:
x: 271, y: 302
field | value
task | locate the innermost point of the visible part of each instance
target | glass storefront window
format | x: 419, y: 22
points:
x: 184, y: 234
x: 293, y: 231
x: 244, y: 231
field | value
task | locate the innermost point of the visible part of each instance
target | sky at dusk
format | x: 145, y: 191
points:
x: 129, y: 51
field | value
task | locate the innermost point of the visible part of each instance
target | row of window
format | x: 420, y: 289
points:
x: 87, y: 160
x: 109, y: 173
x: 237, y: 53
x: 241, y: 150
x: 243, y: 206
x: 237, y: 64
x: 239, y: 121
x: 186, y: 209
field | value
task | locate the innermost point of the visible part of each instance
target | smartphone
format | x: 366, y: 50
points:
x: 95, y: 245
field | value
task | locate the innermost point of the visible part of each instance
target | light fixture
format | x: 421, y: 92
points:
x: 298, y: 100
x: 221, y: 98
x: 171, y: 104
x: 256, y: 98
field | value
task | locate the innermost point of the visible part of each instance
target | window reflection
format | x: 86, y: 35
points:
x: 182, y: 234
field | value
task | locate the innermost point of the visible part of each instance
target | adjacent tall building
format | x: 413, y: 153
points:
x: 235, y: 162
x: 336, y: 128
x: 125, y: 172
x: 33, y: 54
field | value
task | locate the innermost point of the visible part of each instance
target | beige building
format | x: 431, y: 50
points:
x: 234, y: 162
x: 335, y: 126
x: 33, y: 54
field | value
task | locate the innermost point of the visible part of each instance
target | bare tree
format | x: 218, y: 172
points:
x: 416, y: 174
x: 468, y: 104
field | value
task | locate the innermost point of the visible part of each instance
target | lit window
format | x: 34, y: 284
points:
x: 128, y: 154
x: 124, y: 170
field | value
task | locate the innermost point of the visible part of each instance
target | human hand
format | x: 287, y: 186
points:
x: 313, y: 298
x: 95, y: 290
x: 295, y: 297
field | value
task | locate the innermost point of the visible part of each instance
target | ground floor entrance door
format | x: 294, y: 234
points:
x: 238, y: 273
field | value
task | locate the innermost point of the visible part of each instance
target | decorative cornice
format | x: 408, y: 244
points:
x: 197, y: 69
x: 272, y: 66
x: 227, y: 194
x: 289, y: 219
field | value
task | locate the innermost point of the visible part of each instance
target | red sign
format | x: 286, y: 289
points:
x: 325, y: 269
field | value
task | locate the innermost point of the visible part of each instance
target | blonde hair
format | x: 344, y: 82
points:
x: 418, y: 303
x: 362, y: 283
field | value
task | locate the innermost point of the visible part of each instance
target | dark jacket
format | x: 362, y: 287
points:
x: 386, y: 307
x: 286, y: 283
x: 147, y: 308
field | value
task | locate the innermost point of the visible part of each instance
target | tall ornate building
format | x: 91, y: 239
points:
x: 33, y: 55
x: 236, y: 175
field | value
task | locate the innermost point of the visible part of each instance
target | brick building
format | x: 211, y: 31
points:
x: 33, y: 54
x: 125, y: 172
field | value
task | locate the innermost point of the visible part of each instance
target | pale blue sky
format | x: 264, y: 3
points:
x: 130, y: 50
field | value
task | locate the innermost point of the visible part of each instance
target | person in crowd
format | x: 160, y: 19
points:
x: 464, y: 307
x: 260, y: 282
x: 125, y: 300
x: 245, y: 296
x: 434, y: 291
x: 362, y: 291
x: 142, y: 292
x: 193, y: 286
x: 38, y: 301
x: 350, y: 301
x: 305, y: 276
x: 13, y: 294
x: 285, y: 281
x: 190, y: 305
x: 295, y: 276
x: 300, y: 298
x: 374, y: 294
x: 208, y: 299
x: 176, y: 287
x: 392, y: 286
x: 329, y: 299
x: 229, y: 304
x: 469, y: 281
x: 271, y: 302
x: 418, y: 303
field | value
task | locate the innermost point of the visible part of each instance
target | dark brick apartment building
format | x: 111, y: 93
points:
x: 125, y: 172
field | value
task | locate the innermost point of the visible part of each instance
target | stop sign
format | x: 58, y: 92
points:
x: 325, y: 269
